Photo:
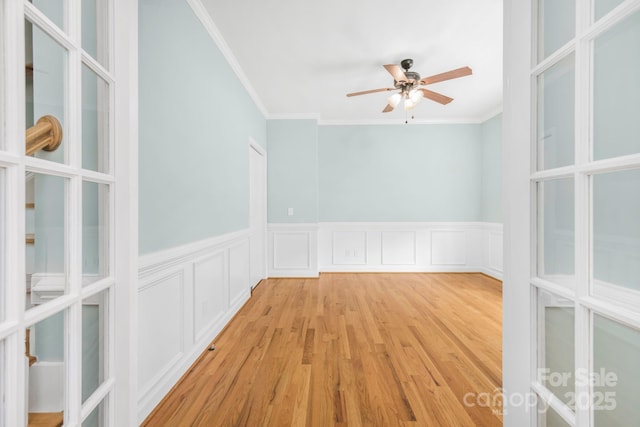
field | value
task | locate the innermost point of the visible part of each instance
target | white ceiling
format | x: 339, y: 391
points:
x: 301, y: 57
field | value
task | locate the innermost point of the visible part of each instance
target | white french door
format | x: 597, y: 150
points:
x: 572, y: 197
x: 60, y: 279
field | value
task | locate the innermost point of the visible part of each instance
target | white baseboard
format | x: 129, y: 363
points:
x: 186, y: 297
x: 385, y: 247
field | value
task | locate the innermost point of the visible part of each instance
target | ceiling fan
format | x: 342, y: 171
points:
x: 411, y: 87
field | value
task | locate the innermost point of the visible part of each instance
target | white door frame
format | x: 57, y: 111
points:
x: 517, y: 214
x: 125, y: 361
x: 254, y: 146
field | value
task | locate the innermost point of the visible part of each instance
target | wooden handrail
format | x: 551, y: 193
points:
x: 45, y: 135
x: 27, y: 350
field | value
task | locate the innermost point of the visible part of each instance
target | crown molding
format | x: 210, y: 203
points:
x: 491, y: 114
x: 294, y: 116
x: 400, y: 121
x: 207, y: 21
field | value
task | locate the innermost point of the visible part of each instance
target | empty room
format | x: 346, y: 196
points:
x: 302, y: 213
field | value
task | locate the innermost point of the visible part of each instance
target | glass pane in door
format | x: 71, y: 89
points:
x: 556, y: 233
x: 46, y: 248
x: 95, y: 249
x: 46, y: 350
x: 94, y: 336
x: 616, y: 90
x: 53, y: 9
x: 548, y: 417
x: 555, y: 118
x: 616, y: 373
x: 616, y: 228
x: 97, y: 417
x: 602, y: 7
x: 556, y: 25
x: 95, y: 121
x: 556, y: 364
x: 45, y: 90
x: 95, y: 30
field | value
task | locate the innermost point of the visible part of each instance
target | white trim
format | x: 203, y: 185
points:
x: 264, y: 193
x: 288, y: 245
x: 259, y: 148
x: 48, y: 286
x: 203, y: 15
x: 294, y: 116
x: 518, y: 362
x: 182, y: 262
x: 123, y: 307
x: 401, y: 121
x: 305, y: 250
x: 491, y: 114
x: 161, y: 260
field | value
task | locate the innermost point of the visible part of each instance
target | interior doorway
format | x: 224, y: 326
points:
x: 257, y: 212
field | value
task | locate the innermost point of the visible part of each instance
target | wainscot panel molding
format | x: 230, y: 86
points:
x: 493, y: 250
x: 293, y: 250
x: 385, y: 247
x: 186, y: 295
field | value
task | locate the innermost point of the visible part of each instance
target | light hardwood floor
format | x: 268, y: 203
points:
x: 351, y: 350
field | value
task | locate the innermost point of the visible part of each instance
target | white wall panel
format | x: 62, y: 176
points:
x: 160, y: 323
x: 398, y: 247
x: 211, y: 295
x: 405, y: 247
x: 293, y: 250
x: 448, y: 248
x: 239, y: 281
x: 349, y: 247
x: 186, y: 296
x: 495, y: 251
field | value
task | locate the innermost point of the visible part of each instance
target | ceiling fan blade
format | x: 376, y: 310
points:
x: 364, y: 92
x: 387, y: 108
x: 453, y: 74
x: 396, y: 72
x: 434, y: 96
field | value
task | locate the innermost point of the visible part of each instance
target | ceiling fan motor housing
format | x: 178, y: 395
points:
x: 411, y: 75
x: 406, y: 64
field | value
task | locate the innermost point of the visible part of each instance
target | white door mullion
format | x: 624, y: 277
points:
x: 42, y: 21
x: 74, y: 143
x: 73, y: 134
x: 73, y: 369
x: 581, y: 213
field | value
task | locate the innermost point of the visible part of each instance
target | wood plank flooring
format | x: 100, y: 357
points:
x: 351, y: 350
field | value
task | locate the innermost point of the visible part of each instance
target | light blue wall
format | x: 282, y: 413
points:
x: 491, y: 200
x: 292, y: 170
x: 195, y: 122
x: 400, y: 173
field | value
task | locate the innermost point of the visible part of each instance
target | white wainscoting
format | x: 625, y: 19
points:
x: 293, y: 250
x: 385, y: 247
x: 186, y: 296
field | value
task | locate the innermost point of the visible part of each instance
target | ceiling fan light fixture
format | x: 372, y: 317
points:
x: 412, y: 88
x: 416, y: 95
x: 409, y: 104
x: 394, y: 99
